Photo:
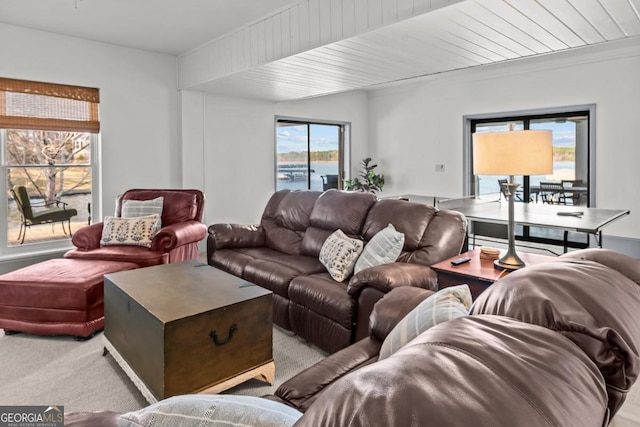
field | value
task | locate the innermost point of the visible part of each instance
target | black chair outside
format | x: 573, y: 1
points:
x: 552, y: 193
x: 329, y: 181
x: 575, y: 197
x: 45, y: 216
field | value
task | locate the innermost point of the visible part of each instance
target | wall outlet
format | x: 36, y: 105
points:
x: 439, y: 168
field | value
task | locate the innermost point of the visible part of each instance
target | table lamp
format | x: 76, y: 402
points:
x: 521, y: 152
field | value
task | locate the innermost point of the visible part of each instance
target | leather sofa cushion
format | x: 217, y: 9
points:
x: 234, y: 261
x: 410, y: 219
x: 177, y: 206
x: 276, y: 274
x: 295, y: 209
x: 266, y: 267
x: 138, y: 254
x: 587, y: 302
x: 285, y: 219
x: 444, y: 235
x: 627, y: 266
x: 335, y: 210
x: 507, y: 375
x: 322, y: 295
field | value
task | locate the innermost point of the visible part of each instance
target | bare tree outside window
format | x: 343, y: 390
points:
x: 53, y: 166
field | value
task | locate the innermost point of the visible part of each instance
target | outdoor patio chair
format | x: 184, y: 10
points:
x: 329, y: 181
x: 50, y: 215
x: 553, y: 193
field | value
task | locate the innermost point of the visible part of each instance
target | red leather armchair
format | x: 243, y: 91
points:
x: 177, y: 240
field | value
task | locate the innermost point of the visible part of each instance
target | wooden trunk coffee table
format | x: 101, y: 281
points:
x: 187, y: 327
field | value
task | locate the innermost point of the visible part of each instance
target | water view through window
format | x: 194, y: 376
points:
x: 308, y: 155
x: 569, y: 183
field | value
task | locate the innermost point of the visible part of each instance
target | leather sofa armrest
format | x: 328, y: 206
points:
x: 393, y: 307
x: 87, y: 238
x: 303, y: 389
x: 235, y: 236
x: 388, y: 276
x: 178, y: 234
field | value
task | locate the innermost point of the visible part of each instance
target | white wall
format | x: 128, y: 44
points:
x: 138, y: 102
x: 138, y: 109
x: 416, y: 125
x: 232, y: 141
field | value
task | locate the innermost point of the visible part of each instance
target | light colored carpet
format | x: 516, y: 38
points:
x: 38, y: 370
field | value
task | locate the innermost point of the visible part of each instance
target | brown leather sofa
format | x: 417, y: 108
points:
x: 555, y: 344
x: 177, y: 240
x: 281, y: 254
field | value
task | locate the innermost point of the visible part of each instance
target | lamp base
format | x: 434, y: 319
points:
x: 509, y: 262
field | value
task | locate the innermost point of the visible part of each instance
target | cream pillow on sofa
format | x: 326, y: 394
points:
x: 217, y: 410
x: 383, y: 248
x: 339, y: 254
x: 446, y: 304
x: 137, y: 231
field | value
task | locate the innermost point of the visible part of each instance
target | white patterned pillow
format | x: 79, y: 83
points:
x: 129, y: 231
x: 383, y: 248
x: 339, y: 254
x: 446, y: 304
x: 136, y: 208
x: 213, y: 410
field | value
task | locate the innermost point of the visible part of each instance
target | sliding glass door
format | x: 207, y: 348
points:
x: 570, y: 182
x: 309, y: 155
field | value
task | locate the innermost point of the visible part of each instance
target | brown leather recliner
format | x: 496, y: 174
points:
x: 281, y: 254
x: 557, y: 344
x: 177, y: 240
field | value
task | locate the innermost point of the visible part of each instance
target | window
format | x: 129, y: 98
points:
x: 309, y: 155
x: 573, y: 160
x: 48, y: 140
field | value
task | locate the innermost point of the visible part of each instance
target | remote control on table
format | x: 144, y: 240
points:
x: 460, y: 261
x: 577, y: 213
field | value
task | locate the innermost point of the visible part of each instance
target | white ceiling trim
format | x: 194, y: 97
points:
x: 464, y: 34
x: 307, y: 25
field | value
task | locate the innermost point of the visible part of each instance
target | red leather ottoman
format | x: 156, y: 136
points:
x: 56, y: 297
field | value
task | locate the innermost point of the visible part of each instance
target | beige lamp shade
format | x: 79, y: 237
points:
x: 518, y: 152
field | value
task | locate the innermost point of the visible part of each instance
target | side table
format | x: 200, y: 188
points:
x: 478, y: 273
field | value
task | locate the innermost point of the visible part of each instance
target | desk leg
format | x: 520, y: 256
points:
x: 599, y: 238
x: 566, y: 240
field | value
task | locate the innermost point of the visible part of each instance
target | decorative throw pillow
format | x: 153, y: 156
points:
x: 446, y: 304
x: 212, y: 410
x: 383, y: 248
x: 129, y: 231
x: 339, y: 254
x: 137, y: 208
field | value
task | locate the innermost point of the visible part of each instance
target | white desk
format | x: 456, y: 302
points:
x: 592, y: 221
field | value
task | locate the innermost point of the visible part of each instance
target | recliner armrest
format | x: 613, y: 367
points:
x: 303, y: 389
x: 393, y: 307
x: 235, y: 236
x: 388, y: 276
x: 88, y: 238
x: 178, y: 234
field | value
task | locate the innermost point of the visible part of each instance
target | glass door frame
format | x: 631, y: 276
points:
x: 526, y: 116
x: 344, y: 154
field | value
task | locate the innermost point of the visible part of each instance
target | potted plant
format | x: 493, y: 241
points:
x: 371, y: 181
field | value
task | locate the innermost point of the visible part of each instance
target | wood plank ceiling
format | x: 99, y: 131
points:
x: 464, y: 34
